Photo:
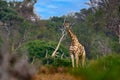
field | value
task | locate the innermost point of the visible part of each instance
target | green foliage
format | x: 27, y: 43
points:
x: 106, y: 68
x: 62, y: 62
x: 55, y: 23
x: 115, y: 47
x: 3, y: 4
x: 47, y: 61
x: 39, y: 49
x: 7, y: 13
x: 57, y: 62
x: 17, y: 28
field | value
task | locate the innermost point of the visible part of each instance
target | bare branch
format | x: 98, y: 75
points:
x: 60, y: 40
x: 119, y: 34
x: 54, y: 53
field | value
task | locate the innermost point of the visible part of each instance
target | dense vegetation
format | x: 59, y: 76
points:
x: 106, y: 68
x: 22, y: 32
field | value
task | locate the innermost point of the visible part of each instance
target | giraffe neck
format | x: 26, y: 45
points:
x: 72, y: 35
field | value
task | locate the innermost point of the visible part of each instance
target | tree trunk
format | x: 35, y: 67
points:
x: 12, y: 48
x: 119, y: 34
x: 54, y: 53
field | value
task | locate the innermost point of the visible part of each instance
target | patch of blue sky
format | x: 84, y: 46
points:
x: 14, y: 0
x: 49, y: 8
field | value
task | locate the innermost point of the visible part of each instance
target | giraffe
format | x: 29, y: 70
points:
x: 76, y: 49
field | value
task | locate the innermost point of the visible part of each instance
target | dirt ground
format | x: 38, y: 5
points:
x: 56, y: 76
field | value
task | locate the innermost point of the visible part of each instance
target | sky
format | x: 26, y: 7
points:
x: 49, y: 8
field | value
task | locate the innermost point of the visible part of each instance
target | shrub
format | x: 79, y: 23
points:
x: 42, y: 50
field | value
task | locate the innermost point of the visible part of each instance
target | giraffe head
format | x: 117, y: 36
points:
x: 67, y: 24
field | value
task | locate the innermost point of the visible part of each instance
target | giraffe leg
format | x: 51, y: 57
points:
x: 72, y: 58
x: 77, y: 59
x: 83, y: 59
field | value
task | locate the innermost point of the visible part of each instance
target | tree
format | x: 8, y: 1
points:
x: 15, y: 34
x: 111, y: 16
x: 26, y: 9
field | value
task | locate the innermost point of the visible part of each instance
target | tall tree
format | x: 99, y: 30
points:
x: 26, y: 9
x: 15, y: 34
x: 111, y: 13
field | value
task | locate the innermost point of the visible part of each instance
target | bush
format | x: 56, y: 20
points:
x: 42, y: 50
x: 56, y: 62
x: 62, y: 62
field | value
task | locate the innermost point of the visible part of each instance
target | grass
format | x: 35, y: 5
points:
x: 106, y: 68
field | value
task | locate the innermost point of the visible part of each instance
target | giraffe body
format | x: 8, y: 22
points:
x: 76, y: 49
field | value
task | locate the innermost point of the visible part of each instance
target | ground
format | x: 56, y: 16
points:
x: 54, y: 74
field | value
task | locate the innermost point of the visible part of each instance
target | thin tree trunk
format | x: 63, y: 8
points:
x: 46, y: 54
x: 12, y: 48
x: 119, y: 34
x: 63, y: 34
x: 54, y: 53
x: 62, y: 55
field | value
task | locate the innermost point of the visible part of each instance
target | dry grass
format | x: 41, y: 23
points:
x: 56, y: 76
x: 52, y: 70
x: 52, y: 73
